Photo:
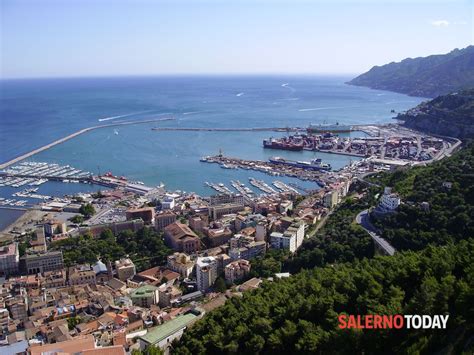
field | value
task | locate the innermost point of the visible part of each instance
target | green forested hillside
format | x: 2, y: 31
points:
x: 448, y: 115
x: 299, y: 315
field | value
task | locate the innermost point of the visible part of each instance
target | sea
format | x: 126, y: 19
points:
x: 34, y: 112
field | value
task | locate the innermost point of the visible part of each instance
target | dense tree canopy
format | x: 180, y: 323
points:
x: 299, y: 314
x: 146, y: 248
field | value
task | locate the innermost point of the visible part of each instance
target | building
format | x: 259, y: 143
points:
x: 163, y: 335
x: 243, y: 247
x: 9, y: 259
x: 206, y: 272
x: 280, y: 241
x: 163, y: 220
x: 80, y: 275
x: 218, y: 236
x: 297, y: 228
x: 145, y: 296
x: 220, y: 199
x: 80, y: 345
x: 168, y: 203
x: 147, y: 214
x: 389, y: 201
x: 217, y: 211
x: 197, y: 223
x: 103, y: 273
x: 18, y: 306
x: 38, y: 242
x: 180, y: 237
x: 42, y: 262
x: 168, y: 294
x: 291, y: 239
x: 116, y: 227
x: 4, y: 320
x: 181, y: 263
x: 53, y: 279
x: 285, y: 206
x: 125, y: 269
x: 331, y: 199
x: 236, y: 270
x: 55, y: 228
x: 260, y: 231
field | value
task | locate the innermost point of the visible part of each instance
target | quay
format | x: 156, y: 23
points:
x: 75, y: 134
x: 320, y: 177
x: 255, y: 129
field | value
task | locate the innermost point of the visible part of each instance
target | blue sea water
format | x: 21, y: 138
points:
x: 8, y: 216
x: 36, y: 112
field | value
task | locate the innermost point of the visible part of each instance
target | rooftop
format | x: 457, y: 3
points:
x: 167, y: 329
x: 143, y: 290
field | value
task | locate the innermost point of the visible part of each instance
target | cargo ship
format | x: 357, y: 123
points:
x: 314, y: 164
x: 272, y: 143
x: 325, y: 127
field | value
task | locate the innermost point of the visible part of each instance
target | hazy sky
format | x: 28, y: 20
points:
x: 41, y: 38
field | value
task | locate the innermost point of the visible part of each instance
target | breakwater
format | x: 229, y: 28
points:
x: 73, y: 135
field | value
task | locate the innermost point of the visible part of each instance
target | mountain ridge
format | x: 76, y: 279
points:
x: 429, y: 76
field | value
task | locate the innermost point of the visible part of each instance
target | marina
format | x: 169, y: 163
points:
x: 37, y: 173
x: 271, y: 168
x: 260, y: 184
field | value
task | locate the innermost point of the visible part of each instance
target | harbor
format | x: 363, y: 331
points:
x: 267, y: 167
x: 384, y: 142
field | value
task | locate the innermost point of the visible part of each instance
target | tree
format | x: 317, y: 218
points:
x: 77, y: 219
x: 87, y: 210
x: 72, y: 322
x: 220, y: 285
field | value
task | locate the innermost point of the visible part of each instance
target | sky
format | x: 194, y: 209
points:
x: 69, y: 38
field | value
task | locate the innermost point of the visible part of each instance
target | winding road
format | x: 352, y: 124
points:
x: 364, y: 221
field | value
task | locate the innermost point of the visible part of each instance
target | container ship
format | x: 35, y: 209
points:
x: 283, y: 144
x: 314, y: 164
x: 325, y: 127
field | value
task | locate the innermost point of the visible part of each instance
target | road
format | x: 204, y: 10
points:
x: 363, y: 220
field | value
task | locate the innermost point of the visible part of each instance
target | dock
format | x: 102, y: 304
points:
x: 254, y: 129
x: 320, y: 177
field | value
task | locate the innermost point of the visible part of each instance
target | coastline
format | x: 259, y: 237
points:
x: 24, y: 221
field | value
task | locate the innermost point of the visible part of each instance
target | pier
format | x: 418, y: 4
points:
x: 73, y: 135
x: 255, y: 129
x: 318, y: 176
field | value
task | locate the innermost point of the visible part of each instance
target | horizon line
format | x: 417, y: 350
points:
x: 223, y: 74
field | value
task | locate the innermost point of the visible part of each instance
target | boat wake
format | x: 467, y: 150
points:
x: 318, y: 109
x: 239, y: 94
x: 287, y: 85
x: 193, y: 112
x: 122, y: 116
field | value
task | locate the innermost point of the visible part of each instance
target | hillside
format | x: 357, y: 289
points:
x: 449, y: 115
x: 424, y: 76
x: 431, y: 274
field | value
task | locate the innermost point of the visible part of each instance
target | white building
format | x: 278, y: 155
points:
x: 181, y: 263
x: 389, y: 201
x: 168, y: 203
x: 282, y: 241
x: 206, y: 272
x: 291, y: 239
